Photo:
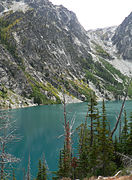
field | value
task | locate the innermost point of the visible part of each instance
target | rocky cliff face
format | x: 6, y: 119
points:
x: 123, y: 38
x: 45, y: 52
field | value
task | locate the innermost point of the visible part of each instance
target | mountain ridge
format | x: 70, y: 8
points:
x: 45, y: 53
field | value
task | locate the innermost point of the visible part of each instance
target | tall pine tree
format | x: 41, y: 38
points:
x: 42, y: 174
x: 124, y: 135
x: 106, y: 148
x: 129, y: 141
x: 92, y: 114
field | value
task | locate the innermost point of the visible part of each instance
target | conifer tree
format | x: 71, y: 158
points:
x: 92, y: 117
x: 74, y: 167
x: 98, y: 122
x: 129, y: 141
x: 87, y: 141
x: 42, y: 174
x: 116, y: 144
x: 60, y: 170
x: 106, y: 148
x: 117, y: 148
x: 124, y: 135
x: 44, y: 171
x: 83, y: 161
x: 39, y: 175
x: 65, y: 169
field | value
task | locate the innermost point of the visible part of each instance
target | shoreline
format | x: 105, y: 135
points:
x: 68, y: 100
x: 35, y: 105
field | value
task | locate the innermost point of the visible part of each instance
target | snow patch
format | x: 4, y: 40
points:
x: 15, y: 6
x: 19, y: 6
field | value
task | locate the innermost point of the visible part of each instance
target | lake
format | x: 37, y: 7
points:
x: 41, y: 126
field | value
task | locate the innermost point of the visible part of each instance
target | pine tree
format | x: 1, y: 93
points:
x: 124, y: 135
x: 129, y: 141
x: 74, y: 167
x: 39, y: 175
x: 98, y: 122
x: 65, y: 168
x: 83, y: 161
x: 92, y: 117
x: 60, y: 170
x: 44, y: 171
x: 42, y: 174
x: 106, y: 148
x: 117, y: 148
x: 116, y: 144
x: 88, y: 148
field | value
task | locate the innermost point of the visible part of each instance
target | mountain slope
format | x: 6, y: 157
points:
x: 45, y: 53
x: 123, y: 38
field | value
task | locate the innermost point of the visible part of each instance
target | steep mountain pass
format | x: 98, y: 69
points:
x: 45, y: 53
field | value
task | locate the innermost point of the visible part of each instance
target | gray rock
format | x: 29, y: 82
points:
x: 123, y: 38
x: 45, y: 51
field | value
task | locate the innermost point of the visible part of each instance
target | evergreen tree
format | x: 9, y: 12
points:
x: 98, y: 122
x: 44, y: 171
x: 83, y: 161
x: 74, y: 167
x: 88, y: 142
x: 60, y: 170
x: 39, y: 175
x: 65, y: 160
x: 117, y: 147
x: 129, y: 141
x: 65, y: 168
x: 42, y: 174
x: 124, y: 135
x: 92, y: 117
x: 106, y: 148
x: 116, y: 144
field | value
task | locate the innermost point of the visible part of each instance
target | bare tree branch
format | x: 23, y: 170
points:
x: 7, y: 135
x: 120, y: 113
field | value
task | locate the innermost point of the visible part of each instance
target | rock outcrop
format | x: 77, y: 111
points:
x: 45, y: 52
x: 123, y: 38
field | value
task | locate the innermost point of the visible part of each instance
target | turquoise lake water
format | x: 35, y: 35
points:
x: 40, y: 127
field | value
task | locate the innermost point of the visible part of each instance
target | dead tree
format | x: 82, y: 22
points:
x: 126, y: 160
x: 120, y: 113
x: 7, y: 136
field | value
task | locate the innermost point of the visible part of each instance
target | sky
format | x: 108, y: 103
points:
x: 94, y: 14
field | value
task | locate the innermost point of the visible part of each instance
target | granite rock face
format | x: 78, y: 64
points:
x: 123, y: 38
x: 45, y: 52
